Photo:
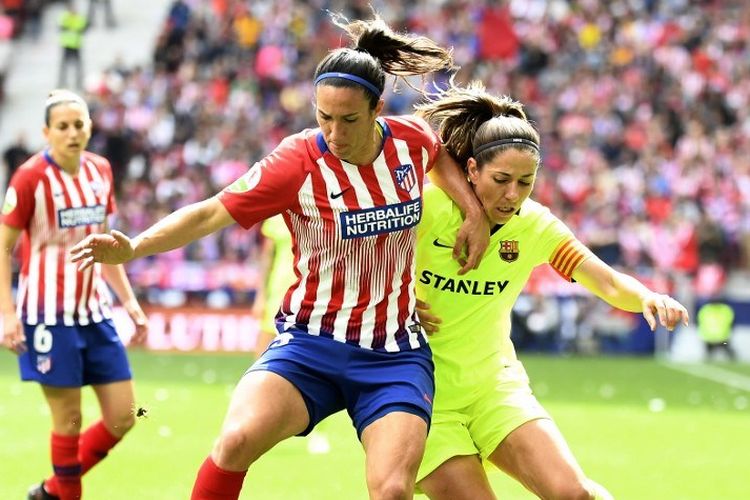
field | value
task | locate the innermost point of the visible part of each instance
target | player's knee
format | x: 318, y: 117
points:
x: 68, y: 421
x: 391, y: 490
x: 123, y: 423
x: 235, y: 448
x: 571, y: 489
x: 395, y: 485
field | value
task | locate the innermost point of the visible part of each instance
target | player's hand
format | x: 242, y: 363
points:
x: 13, y: 337
x: 668, y: 311
x: 428, y: 320
x: 473, y: 237
x: 112, y: 248
x: 140, y: 320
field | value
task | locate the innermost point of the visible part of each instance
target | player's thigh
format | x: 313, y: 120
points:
x: 117, y: 404
x: 65, y: 407
x: 537, y: 455
x: 458, y: 478
x: 265, y: 409
x: 394, y: 445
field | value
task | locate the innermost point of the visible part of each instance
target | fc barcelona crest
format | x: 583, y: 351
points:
x: 508, y: 250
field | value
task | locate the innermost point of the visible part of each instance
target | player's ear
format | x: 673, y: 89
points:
x: 472, y: 170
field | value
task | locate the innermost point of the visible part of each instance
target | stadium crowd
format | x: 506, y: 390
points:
x: 643, y: 107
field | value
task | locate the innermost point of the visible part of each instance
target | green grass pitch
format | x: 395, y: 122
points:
x: 643, y: 430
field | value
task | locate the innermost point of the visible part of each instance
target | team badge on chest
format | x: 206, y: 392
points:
x: 508, y: 250
x: 406, y: 177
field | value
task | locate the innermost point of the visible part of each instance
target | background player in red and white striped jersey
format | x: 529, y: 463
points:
x: 484, y: 409
x: 61, y: 325
x: 350, y: 193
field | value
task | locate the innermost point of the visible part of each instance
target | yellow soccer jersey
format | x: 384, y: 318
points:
x: 474, y: 337
x: 281, y: 275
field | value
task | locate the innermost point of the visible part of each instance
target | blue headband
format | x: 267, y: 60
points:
x: 354, y: 78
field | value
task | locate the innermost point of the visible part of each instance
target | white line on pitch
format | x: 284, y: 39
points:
x: 715, y: 374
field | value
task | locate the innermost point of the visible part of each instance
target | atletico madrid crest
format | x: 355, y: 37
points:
x: 43, y: 363
x: 508, y: 250
x: 406, y: 177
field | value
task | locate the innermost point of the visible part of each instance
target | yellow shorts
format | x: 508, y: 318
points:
x: 479, y: 427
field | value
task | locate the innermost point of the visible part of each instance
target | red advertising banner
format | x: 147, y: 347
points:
x: 194, y: 329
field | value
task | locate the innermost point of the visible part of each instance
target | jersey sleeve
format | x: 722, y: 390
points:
x: 270, y: 186
x: 568, y: 252
x: 433, y: 143
x: 19, y: 202
x: 568, y: 255
x: 107, y: 171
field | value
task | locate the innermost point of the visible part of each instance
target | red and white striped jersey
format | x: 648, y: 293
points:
x: 353, y: 232
x: 55, y: 210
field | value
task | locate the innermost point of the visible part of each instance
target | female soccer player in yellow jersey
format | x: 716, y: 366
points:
x: 484, y: 408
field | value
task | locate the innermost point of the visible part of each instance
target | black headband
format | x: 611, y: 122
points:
x: 500, y: 142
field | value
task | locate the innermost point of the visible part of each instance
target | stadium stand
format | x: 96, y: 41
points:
x: 643, y: 108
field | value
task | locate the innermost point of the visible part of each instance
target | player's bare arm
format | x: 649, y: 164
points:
x: 474, y: 235
x: 13, y: 338
x: 174, y: 231
x: 629, y: 294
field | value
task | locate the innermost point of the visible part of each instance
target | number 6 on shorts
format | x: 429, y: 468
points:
x: 42, y: 340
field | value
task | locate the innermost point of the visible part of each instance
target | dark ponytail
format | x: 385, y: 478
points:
x: 474, y: 123
x: 377, y: 50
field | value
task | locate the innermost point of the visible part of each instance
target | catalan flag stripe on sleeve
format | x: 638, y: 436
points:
x: 568, y: 256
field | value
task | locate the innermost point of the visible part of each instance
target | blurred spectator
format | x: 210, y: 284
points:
x: 109, y: 14
x: 715, y: 324
x: 15, y: 154
x: 6, y: 49
x: 72, y: 26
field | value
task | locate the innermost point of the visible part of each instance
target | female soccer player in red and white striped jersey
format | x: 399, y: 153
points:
x: 61, y: 326
x: 350, y: 192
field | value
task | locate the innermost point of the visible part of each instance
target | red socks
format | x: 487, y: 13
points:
x: 66, y: 466
x: 214, y: 483
x: 91, y: 448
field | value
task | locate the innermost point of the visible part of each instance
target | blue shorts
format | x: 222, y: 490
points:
x: 332, y: 376
x: 74, y: 356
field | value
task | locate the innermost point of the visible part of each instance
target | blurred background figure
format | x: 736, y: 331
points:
x: 15, y: 155
x: 715, y: 325
x: 72, y: 26
x: 276, y: 267
x: 109, y: 14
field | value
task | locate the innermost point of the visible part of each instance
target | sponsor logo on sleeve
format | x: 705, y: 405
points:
x: 380, y: 220
x: 11, y: 200
x: 247, y: 182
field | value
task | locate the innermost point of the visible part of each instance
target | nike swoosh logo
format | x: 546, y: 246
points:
x: 339, y: 195
x: 438, y: 244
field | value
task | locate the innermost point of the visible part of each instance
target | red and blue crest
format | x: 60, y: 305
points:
x: 406, y: 177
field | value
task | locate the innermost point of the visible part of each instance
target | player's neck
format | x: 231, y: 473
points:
x: 70, y: 164
x: 375, y: 147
